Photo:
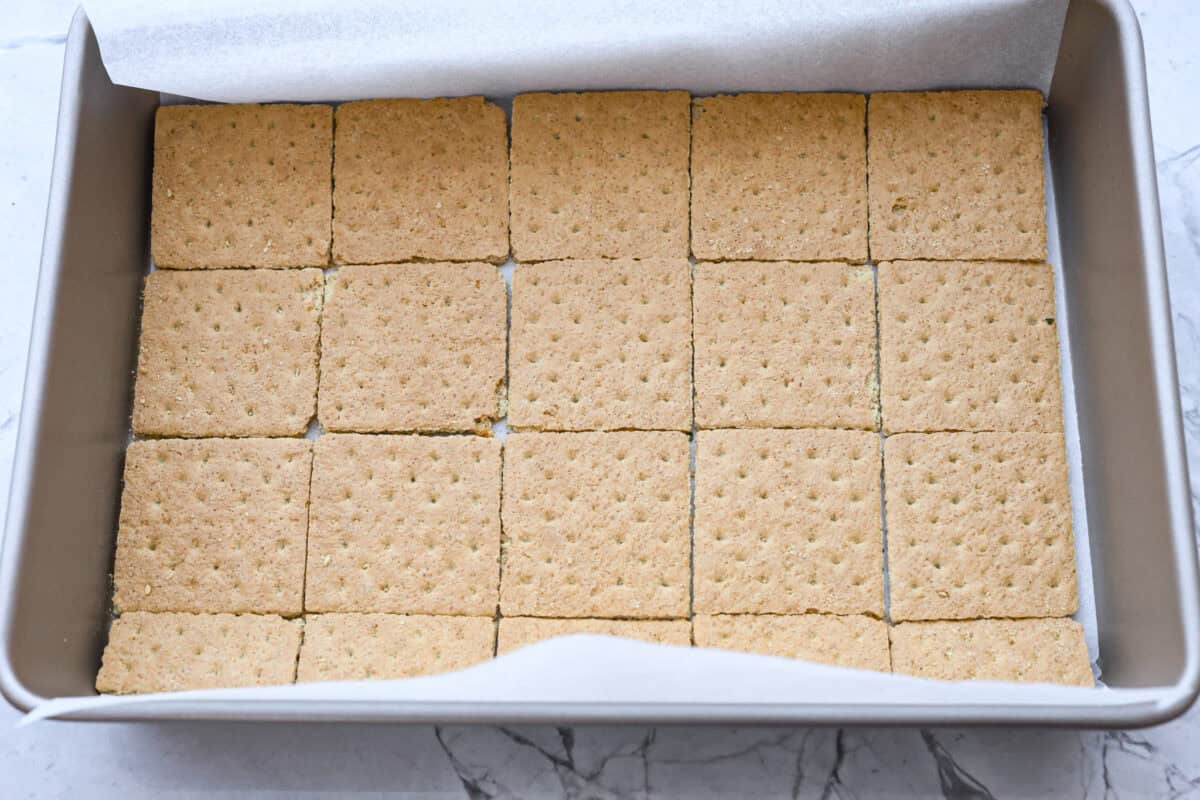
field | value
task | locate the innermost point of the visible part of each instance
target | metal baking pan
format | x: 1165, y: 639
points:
x: 75, y: 422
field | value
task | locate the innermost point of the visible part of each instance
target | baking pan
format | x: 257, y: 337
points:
x: 75, y: 423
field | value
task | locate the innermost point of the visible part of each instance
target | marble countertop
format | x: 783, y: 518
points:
x: 217, y: 760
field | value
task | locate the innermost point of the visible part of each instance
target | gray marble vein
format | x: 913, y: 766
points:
x: 226, y: 760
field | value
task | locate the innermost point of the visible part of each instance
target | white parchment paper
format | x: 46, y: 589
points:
x: 318, y: 50
x: 241, y: 50
x: 584, y: 670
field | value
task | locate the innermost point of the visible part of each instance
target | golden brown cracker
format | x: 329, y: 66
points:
x: 404, y: 524
x: 595, y: 524
x: 517, y: 632
x: 213, y: 525
x: 850, y: 641
x: 779, y: 177
x: 1027, y: 650
x: 241, y: 186
x: 956, y: 175
x: 978, y: 525
x: 600, y: 175
x: 173, y: 652
x: 228, y: 353
x: 968, y: 346
x: 343, y: 647
x: 420, y: 179
x: 413, y: 347
x: 788, y: 521
x: 601, y: 345
x: 785, y: 345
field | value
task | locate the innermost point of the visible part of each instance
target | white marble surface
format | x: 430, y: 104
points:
x: 226, y: 760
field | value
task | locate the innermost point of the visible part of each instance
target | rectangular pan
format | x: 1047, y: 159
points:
x: 75, y: 421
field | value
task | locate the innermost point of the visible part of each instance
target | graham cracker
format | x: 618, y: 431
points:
x: 228, y: 353
x: 175, y: 652
x: 787, y: 522
x: 779, y: 176
x: 956, y: 175
x: 785, y: 345
x: 343, y: 647
x: 595, y: 525
x: 600, y: 175
x: 600, y: 345
x: 404, y: 524
x: 1027, y: 650
x: 241, y: 186
x: 968, y: 346
x: 213, y: 525
x: 852, y: 641
x: 413, y: 347
x: 420, y: 179
x: 979, y: 525
x: 517, y: 632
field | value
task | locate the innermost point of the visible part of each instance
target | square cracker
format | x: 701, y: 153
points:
x: 956, y: 175
x: 1029, y: 650
x: 413, y: 347
x: 785, y: 345
x: 344, y: 647
x: 779, y: 176
x: 968, y: 346
x: 213, y: 525
x: 174, y: 652
x: 601, y: 345
x: 599, y: 175
x: 420, y: 179
x: 228, y: 353
x: 241, y: 186
x: 788, y: 521
x: 979, y: 525
x: 407, y: 524
x: 852, y: 641
x: 595, y: 524
x: 517, y: 632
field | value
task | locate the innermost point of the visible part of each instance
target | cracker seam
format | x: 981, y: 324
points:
x: 501, y: 427
x: 693, y: 441
x: 878, y: 399
x: 693, y: 438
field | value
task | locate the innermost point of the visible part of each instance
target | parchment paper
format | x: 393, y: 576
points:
x: 588, y: 669
x: 310, y: 50
x: 238, y: 50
